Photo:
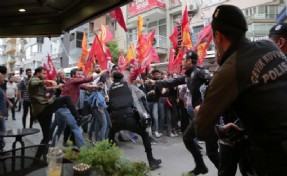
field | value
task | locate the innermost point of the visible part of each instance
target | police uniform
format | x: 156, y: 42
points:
x: 252, y: 80
x: 194, y: 78
x: 122, y: 116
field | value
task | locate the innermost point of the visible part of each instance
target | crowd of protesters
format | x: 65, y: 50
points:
x: 232, y: 105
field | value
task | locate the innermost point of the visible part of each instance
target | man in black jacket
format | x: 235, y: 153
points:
x: 194, y: 77
x: 122, y: 115
x: 252, y: 80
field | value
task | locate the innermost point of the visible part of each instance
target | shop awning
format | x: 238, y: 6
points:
x: 49, y: 17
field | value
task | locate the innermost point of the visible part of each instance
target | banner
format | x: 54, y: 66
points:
x: 50, y: 69
x: 140, y: 6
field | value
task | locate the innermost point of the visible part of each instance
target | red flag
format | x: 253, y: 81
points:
x: 170, y: 61
x: 143, y: 48
x: 186, y: 39
x: 203, y: 39
x: 150, y: 37
x: 105, y: 35
x: 96, y: 54
x: 173, y: 37
x: 122, y: 62
x: 50, y: 69
x: 117, y: 14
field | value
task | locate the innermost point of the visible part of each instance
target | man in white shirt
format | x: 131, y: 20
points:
x: 11, y: 94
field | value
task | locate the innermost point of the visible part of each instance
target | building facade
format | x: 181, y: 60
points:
x: 158, y: 15
x: 162, y: 16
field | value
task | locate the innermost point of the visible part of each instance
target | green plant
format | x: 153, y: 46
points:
x: 113, y: 46
x: 106, y: 157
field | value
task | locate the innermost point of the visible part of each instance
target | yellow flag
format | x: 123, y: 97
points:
x: 83, y: 57
x: 131, y: 53
x: 140, y: 25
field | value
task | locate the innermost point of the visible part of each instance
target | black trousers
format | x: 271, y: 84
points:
x: 130, y: 123
x: 12, y: 100
x: 268, y: 157
x: 26, y: 107
x: 230, y: 157
x: 45, y: 118
x: 211, y: 148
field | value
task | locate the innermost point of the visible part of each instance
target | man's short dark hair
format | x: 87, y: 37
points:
x: 155, y: 71
x: 74, y: 71
x: 39, y: 69
x: 3, y: 69
x: 28, y: 69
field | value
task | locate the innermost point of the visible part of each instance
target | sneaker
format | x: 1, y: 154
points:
x: 154, y: 164
x: 171, y: 135
x: 152, y: 141
x: 157, y: 134
x: 85, y: 119
x: 199, y: 170
x: 175, y: 134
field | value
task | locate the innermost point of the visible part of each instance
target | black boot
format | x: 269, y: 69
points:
x: 154, y: 163
x: 194, y: 150
x: 199, y: 170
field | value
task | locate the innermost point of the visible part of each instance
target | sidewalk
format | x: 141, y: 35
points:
x: 176, y: 159
x: 34, y: 139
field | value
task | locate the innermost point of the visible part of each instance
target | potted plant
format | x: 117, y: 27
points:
x: 107, y: 159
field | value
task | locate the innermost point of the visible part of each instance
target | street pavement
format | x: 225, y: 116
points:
x: 176, y: 160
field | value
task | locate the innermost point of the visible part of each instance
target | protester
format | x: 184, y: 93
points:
x: 44, y: 105
x: 11, y: 94
x: 23, y: 97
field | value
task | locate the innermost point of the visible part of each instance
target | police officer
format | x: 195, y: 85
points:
x: 122, y: 115
x: 194, y: 77
x: 252, y: 80
x: 278, y: 33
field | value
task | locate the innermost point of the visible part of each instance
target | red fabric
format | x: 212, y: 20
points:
x: 186, y: 38
x: 143, y: 48
x: 203, y: 39
x: 173, y: 37
x: 106, y: 35
x: 122, y: 61
x: 72, y: 87
x: 97, y: 54
x: 109, y: 54
x: 150, y: 37
x: 173, y: 67
x: 50, y: 68
x: 117, y: 14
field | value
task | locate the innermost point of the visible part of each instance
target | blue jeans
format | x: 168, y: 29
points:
x: 153, y: 108
x: 100, y: 124
x: 190, y: 111
x: 64, y: 117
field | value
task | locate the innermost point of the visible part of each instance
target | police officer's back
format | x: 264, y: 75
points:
x: 122, y: 115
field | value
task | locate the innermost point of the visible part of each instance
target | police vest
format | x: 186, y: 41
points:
x: 120, y: 97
